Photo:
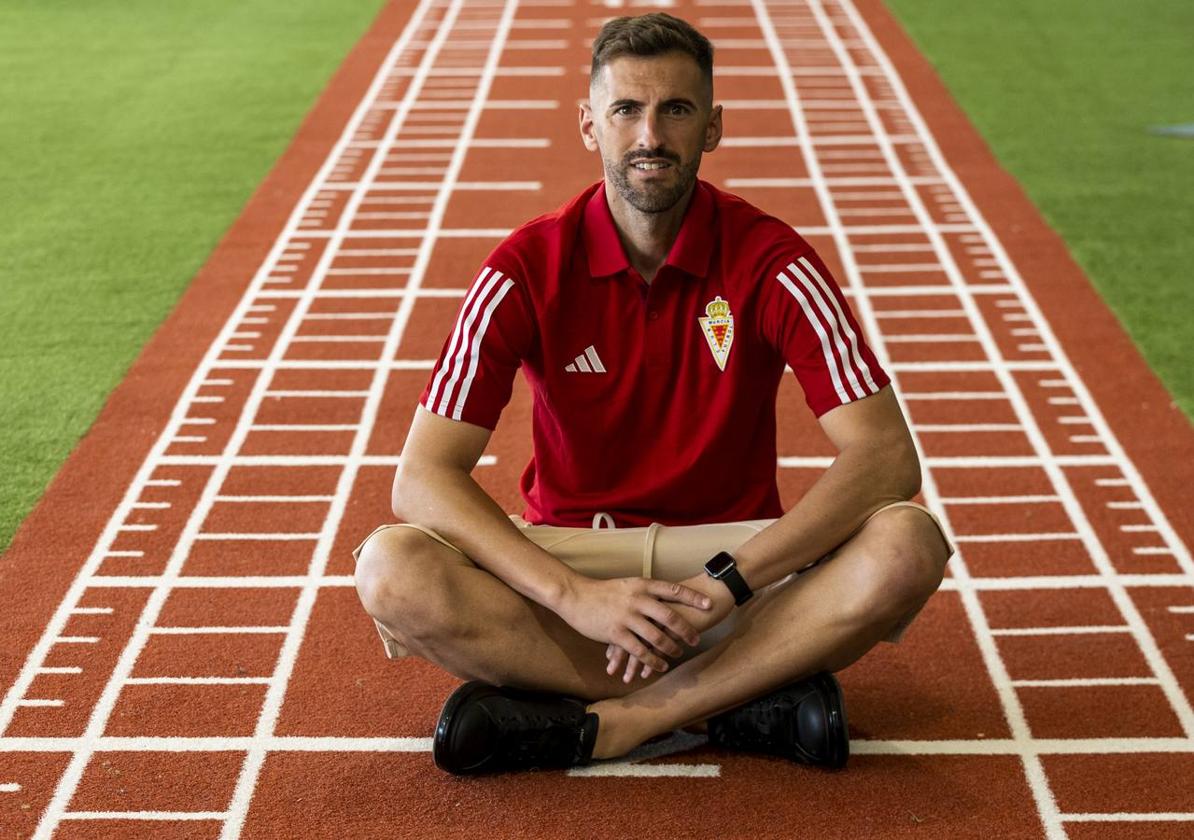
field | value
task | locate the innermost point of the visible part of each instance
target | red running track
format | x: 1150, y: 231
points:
x: 190, y: 659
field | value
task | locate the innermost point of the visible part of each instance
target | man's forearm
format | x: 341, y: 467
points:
x: 860, y: 481
x: 452, y: 504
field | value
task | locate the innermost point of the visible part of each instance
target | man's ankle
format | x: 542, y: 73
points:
x: 615, y: 736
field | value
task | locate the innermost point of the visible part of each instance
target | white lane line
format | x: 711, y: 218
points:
x: 97, y: 610
x: 931, y: 338
x: 1090, y: 682
x: 197, y: 681
x: 9, y: 787
x: 171, y: 816
x: 998, y: 538
x: 266, y: 537
x: 969, y: 427
x: 1008, y: 584
x: 60, y: 669
x: 1144, y: 816
x: 37, y: 703
x: 204, y: 631
x: 319, y: 394
x: 300, y: 427
x: 283, y: 499
x: 920, y: 313
x: 997, y: 500
x: 214, y: 582
x: 76, y: 640
x: 954, y: 395
x: 1079, y: 630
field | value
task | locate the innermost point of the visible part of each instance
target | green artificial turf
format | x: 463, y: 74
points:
x: 1064, y: 91
x: 132, y: 132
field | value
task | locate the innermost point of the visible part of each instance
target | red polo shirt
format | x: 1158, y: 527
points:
x: 653, y: 403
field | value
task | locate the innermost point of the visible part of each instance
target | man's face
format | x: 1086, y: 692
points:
x: 650, y: 118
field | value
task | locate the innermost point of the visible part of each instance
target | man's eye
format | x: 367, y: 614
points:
x: 624, y: 110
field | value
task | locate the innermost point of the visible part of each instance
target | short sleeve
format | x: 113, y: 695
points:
x: 474, y: 374
x: 809, y: 322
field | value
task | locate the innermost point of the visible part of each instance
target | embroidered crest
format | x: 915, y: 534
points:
x: 718, y: 326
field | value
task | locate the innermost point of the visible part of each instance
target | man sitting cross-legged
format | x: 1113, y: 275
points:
x: 653, y: 317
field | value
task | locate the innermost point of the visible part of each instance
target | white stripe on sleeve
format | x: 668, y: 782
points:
x: 477, y: 339
x: 457, y: 338
x: 855, y: 355
x: 811, y: 315
x: 457, y: 363
x: 831, y: 321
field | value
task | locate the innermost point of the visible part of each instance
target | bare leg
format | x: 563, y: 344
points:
x: 822, y: 621
x: 441, y: 606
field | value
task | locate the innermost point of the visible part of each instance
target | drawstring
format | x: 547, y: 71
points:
x: 648, y: 543
x: 649, y: 548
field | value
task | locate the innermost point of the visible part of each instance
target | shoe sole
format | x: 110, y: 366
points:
x: 447, y: 716
x: 839, y: 738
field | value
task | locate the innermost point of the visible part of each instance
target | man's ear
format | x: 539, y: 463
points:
x: 713, y: 129
x: 586, y: 127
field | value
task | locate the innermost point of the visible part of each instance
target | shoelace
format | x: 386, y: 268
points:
x: 763, y: 724
x: 532, y: 739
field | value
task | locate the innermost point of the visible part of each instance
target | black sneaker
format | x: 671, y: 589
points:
x: 487, y: 729
x: 804, y: 721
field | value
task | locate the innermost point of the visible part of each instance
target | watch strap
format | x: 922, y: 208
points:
x: 730, y: 576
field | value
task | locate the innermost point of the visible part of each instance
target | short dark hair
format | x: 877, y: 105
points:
x: 651, y: 35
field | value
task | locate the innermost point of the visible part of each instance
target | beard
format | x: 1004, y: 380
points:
x: 652, y: 197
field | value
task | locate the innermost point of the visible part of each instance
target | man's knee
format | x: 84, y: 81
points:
x: 902, y: 562
x: 401, y: 577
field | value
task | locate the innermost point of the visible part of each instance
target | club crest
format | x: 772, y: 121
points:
x: 718, y: 326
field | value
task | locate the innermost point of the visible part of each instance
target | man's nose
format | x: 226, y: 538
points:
x: 648, y: 131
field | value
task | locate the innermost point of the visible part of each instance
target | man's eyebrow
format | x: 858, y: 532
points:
x: 680, y: 100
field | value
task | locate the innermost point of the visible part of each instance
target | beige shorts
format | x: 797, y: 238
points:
x: 655, y: 551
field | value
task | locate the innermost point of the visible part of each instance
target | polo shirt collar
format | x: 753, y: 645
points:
x: 690, y: 252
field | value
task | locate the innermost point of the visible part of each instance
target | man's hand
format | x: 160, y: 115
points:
x: 701, y: 620
x: 639, y: 615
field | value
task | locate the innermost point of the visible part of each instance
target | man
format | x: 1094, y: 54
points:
x: 653, y: 316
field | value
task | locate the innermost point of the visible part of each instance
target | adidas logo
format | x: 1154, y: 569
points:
x: 586, y: 362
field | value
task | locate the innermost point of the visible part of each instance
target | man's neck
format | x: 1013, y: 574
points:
x: 646, y: 237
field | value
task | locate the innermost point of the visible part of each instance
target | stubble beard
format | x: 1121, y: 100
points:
x: 648, y: 197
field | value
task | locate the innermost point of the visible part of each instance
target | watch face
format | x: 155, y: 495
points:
x: 720, y: 564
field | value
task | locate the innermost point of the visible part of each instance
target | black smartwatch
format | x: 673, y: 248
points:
x: 723, y: 568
